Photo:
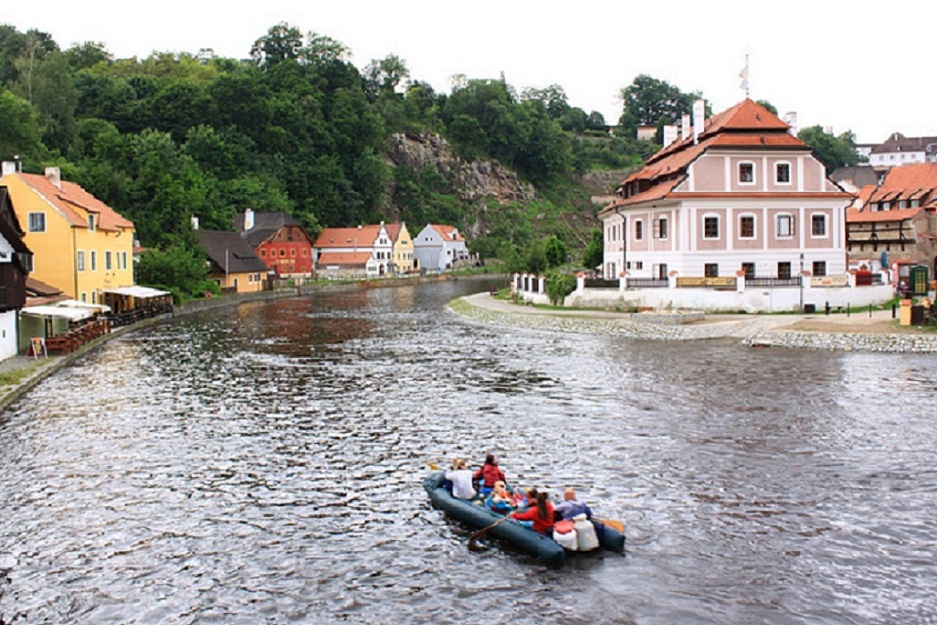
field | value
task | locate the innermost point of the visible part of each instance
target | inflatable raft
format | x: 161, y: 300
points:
x: 534, y: 543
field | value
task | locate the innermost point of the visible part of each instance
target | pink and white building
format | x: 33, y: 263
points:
x: 738, y: 194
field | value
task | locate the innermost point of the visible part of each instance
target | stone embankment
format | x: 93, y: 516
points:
x: 850, y: 334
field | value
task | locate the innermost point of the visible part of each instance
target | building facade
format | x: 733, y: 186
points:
x: 440, y: 248
x: 233, y: 263
x: 403, y: 259
x: 80, y: 245
x: 736, y: 193
x: 15, y: 259
x: 279, y: 240
x: 364, y: 251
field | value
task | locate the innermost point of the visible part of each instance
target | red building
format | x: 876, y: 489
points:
x: 279, y: 240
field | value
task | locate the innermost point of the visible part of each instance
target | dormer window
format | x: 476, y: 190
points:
x: 91, y: 222
x: 746, y: 173
x: 886, y: 206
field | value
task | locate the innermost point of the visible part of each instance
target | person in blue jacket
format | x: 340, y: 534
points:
x: 571, y: 507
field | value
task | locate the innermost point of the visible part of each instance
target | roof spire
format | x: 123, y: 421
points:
x: 744, y: 76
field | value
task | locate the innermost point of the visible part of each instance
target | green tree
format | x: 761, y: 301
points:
x: 767, y: 105
x: 282, y: 42
x: 555, y: 250
x: 179, y: 268
x: 558, y: 286
x: 19, y: 132
x: 648, y: 101
x: 535, y: 259
x: 53, y: 93
x: 593, y: 255
x: 831, y: 150
x: 87, y: 54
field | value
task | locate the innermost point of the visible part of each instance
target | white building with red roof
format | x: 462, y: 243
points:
x: 362, y: 252
x: 439, y: 247
x: 739, y: 193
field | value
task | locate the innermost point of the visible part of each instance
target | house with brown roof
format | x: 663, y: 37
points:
x: 348, y: 253
x: 896, y: 218
x: 739, y: 193
x: 80, y: 245
x: 440, y: 247
x: 901, y: 150
x: 234, y: 265
x: 279, y: 240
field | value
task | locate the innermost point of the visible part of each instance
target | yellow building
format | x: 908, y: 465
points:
x: 80, y: 245
x: 403, y: 259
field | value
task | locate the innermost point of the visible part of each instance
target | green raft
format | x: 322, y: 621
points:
x: 534, y: 543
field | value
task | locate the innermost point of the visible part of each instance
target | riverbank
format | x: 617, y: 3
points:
x: 877, y: 332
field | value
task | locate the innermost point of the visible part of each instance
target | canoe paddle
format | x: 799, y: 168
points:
x: 481, y: 532
x: 612, y: 523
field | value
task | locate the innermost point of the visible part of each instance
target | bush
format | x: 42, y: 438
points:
x: 559, y: 285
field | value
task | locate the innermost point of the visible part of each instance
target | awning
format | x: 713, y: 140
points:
x: 74, y: 303
x: 137, y: 291
x: 64, y: 312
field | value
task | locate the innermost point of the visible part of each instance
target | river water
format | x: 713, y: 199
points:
x: 264, y: 465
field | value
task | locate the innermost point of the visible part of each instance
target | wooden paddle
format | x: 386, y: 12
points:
x: 483, y: 531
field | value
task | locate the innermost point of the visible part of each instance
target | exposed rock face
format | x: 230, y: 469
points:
x: 474, y: 182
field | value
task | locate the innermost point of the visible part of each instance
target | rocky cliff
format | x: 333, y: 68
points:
x: 473, y: 182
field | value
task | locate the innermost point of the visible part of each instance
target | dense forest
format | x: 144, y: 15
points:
x: 295, y: 126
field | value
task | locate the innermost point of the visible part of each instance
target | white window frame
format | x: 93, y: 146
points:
x: 91, y: 224
x: 80, y: 260
x: 754, y: 227
x: 107, y: 260
x: 777, y: 226
x: 718, y: 228
x: 754, y: 176
x: 37, y: 222
x: 813, y: 219
x: 777, y: 172
x: 94, y: 260
x: 663, y: 228
x: 638, y: 229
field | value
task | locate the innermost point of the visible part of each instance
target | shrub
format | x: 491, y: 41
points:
x: 559, y: 285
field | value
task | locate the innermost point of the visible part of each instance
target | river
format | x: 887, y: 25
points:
x: 264, y: 465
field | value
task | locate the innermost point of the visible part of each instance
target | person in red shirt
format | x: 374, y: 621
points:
x: 489, y: 474
x: 541, y: 514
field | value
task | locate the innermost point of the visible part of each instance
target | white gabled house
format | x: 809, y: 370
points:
x: 439, y: 247
x: 362, y: 252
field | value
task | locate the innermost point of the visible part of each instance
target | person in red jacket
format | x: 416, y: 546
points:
x: 489, y: 474
x: 541, y: 514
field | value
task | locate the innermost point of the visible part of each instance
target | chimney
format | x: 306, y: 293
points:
x: 685, y: 128
x: 670, y: 135
x: 54, y: 174
x: 248, y: 219
x: 194, y: 222
x: 699, y: 115
x: 790, y: 118
x: 9, y: 168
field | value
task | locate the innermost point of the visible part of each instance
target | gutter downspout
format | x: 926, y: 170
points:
x: 75, y: 260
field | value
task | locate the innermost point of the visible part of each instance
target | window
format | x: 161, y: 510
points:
x: 662, y: 228
x: 94, y: 260
x: 123, y: 260
x: 293, y: 253
x: 639, y: 265
x: 91, y: 228
x: 784, y: 270
x: 747, y: 227
x: 747, y: 173
x: 282, y: 252
x: 638, y: 230
x: 710, y: 227
x: 37, y: 222
x: 749, y: 269
x: 107, y: 261
x: 915, y: 203
x: 886, y: 206
x: 818, y: 225
x: 711, y: 270
x: 782, y: 173
x: 785, y: 226
x: 263, y: 253
x: 819, y: 267
x: 80, y: 261
x: 84, y: 297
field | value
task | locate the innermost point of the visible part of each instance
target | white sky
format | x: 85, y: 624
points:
x: 837, y: 64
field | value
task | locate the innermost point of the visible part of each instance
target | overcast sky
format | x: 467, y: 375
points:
x: 834, y: 63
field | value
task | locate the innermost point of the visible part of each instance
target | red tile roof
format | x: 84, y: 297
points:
x: 71, y: 197
x: 746, y: 125
x: 343, y: 258
x: 447, y: 232
x: 362, y: 236
x: 904, y: 183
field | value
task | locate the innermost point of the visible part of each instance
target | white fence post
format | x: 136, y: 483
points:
x: 740, y: 281
x: 672, y: 279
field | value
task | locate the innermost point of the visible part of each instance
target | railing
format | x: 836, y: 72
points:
x: 599, y: 283
x: 769, y: 282
x: 648, y: 283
